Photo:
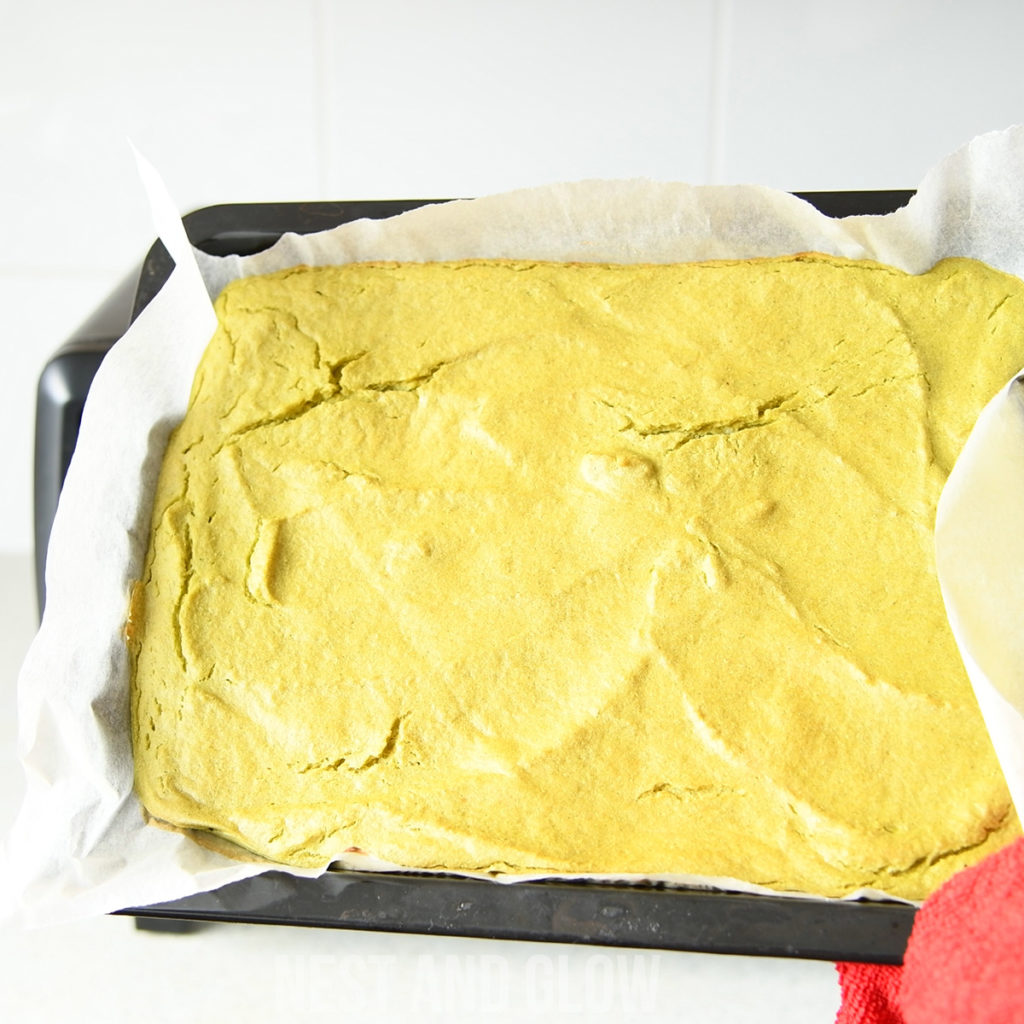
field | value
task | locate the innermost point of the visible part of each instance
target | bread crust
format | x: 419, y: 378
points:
x: 520, y: 567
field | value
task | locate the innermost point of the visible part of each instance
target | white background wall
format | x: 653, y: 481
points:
x: 270, y: 100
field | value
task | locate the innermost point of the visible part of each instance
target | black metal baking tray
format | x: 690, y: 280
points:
x: 651, y: 917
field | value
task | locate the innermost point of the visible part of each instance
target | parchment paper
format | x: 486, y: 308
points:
x: 80, y: 847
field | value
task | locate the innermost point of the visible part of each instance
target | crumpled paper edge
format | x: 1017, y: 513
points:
x: 59, y: 870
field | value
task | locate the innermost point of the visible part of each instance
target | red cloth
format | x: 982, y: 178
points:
x: 869, y: 993
x: 965, y: 958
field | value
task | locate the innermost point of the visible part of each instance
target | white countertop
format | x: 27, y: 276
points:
x: 294, y: 975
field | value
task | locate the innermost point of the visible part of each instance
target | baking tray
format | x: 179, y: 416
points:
x: 646, y: 917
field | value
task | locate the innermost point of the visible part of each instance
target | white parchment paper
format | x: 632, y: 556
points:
x: 79, y: 846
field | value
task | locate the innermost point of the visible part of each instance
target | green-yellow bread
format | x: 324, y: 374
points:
x: 525, y: 567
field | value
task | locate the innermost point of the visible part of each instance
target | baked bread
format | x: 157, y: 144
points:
x: 521, y: 567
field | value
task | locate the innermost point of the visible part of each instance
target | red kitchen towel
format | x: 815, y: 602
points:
x: 965, y: 958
